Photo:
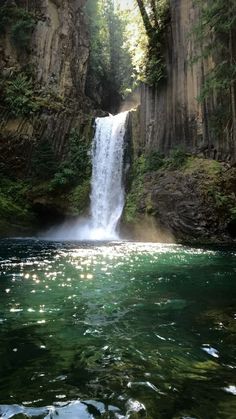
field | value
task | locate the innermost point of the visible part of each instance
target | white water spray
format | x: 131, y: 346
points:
x: 107, y: 189
x: 107, y: 197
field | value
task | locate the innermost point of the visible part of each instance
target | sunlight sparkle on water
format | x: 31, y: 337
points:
x: 131, y: 323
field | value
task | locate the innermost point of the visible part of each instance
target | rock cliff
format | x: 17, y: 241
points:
x: 175, y: 177
x: 56, y: 61
x: 170, y: 114
x: 59, y: 46
x: 44, y: 52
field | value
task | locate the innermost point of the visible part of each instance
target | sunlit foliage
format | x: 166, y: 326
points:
x: 123, y: 50
x: 110, y: 62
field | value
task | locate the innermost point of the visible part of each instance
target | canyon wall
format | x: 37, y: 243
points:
x: 55, y: 61
x: 45, y: 117
x: 170, y: 114
x: 59, y: 47
x: 183, y: 179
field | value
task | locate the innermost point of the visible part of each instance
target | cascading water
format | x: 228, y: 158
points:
x: 107, y: 189
x: 107, y: 197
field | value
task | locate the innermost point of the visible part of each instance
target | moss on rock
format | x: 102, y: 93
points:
x: 192, y: 198
x: 15, y: 212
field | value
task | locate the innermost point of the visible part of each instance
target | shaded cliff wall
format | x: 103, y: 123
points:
x: 56, y: 59
x: 59, y: 48
x: 170, y: 115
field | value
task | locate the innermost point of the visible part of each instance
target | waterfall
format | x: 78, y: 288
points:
x: 107, y: 196
x: 107, y: 189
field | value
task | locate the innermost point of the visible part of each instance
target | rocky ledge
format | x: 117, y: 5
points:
x: 195, y: 202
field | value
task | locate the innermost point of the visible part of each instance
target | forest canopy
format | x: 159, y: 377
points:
x: 126, y: 43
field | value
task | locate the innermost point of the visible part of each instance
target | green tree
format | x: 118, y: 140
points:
x: 154, y: 15
x: 110, y: 69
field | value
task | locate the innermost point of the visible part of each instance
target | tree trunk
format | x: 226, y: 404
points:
x: 154, y: 12
x: 150, y: 30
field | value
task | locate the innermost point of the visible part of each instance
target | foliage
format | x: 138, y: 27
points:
x: 215, y: 18
x: 224, y: 202
x: 141, y: 165
x: 211, y: 168
x: 122, y: 51
x: 215, y: 34
x: 13, y: 203
x: 218, y: 184
x: 21, y: 33
x: 9, y: 209
x: 19, y: 95
x: 155, y: 69
x: 110, y: 64
x: 133, y: 196
x: 233, y: 212
x: 44, y: 163
x: 154, y: 161
x: 79, y: 197
x: 155, y: 15
x: 20, y: 22
x: 177, y: 159
x: 76, y: 167
x: 218, y: 80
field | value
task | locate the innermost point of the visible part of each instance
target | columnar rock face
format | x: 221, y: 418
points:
x: 56, y: 61
x: 59, y: 47
x: 171, y: 115
x: 196, y: 199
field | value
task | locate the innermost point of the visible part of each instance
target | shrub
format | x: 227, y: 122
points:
x: 21, y: 33
x: 177, y: 159
x: 79, y: 197
x: 154, y: 161
x: 77, y: 166
x: 18, y: 94
x: 44, y: 163
x: 20, y: 22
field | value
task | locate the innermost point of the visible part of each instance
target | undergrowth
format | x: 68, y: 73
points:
x: 19, y: 22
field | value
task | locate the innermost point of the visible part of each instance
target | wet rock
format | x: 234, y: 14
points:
x: 135, y: 409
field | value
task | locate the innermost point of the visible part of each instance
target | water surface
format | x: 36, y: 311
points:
x: 119, y: 330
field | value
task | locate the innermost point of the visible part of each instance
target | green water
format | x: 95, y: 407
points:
x: 118, y: 330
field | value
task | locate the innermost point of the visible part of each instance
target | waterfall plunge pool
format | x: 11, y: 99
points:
x: 119, y: 330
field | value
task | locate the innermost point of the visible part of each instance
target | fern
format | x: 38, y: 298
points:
x: 19, y: 96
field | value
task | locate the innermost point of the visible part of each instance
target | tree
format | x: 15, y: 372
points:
x: 150, y: 29
x: 110, y: 66
x: 154, y: 20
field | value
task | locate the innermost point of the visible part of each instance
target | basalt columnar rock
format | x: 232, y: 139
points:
x: 197, y: 204
x: 44, y: 52
x: 171, y: 114
x: 58, y: 50
x: 55, y: 61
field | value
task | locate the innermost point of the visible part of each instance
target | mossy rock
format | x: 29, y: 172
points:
x: 79, y: 197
